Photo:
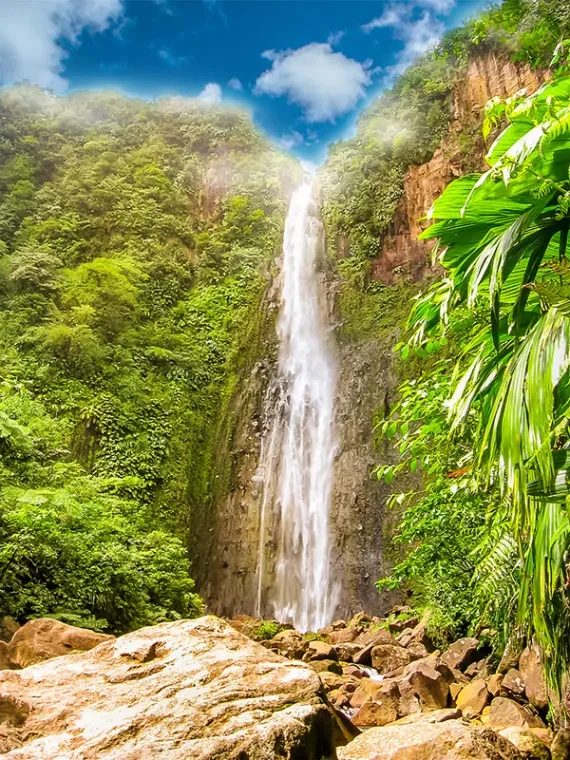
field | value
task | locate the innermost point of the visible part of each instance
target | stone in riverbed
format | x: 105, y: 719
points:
x: 450, y: 740
x: 345, y: 636
x: 529, y: 745
x: 44, y: 638
x: 377, y: 713
x: 530, y: 665
x: 376, y: 638
x: 188, y: 690
x: 429, y: 685
x: 513, y: 682
x: 472, y: 698
x: 461, y: 653
x: 347, y: 652
x: 387, y: 658
x: 332, y: 666
x: 505, y: 712
x: 320, y: 650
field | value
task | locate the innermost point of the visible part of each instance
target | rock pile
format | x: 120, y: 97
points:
x: 389, y: 675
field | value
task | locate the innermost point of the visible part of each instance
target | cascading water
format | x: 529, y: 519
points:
x: 297, y: 458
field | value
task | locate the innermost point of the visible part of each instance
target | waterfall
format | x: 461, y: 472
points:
x: 297, y: 455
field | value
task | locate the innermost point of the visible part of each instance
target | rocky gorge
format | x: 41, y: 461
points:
x: 203, y: 689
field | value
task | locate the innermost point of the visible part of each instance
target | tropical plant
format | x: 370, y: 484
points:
x: 502, y: 238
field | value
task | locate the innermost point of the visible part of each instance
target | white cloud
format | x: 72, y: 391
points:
x: 170, y: 58
x: 212, y: 93
x: 235, y: 84
x: 323, y: 83
x: 291, y: 140
x: 32, y: 33
x: 335, y: 37
x: 419, y: 33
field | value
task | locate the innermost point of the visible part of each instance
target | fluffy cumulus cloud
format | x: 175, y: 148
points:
x: 33, y: 34
x: 235, y: 84
x: 212, y: 93
x: 419, y: 30
x: 323, y: 83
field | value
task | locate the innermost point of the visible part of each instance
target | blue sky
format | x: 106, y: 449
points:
x: 303, y: 68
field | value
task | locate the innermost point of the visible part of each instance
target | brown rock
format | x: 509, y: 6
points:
x: 361, y: 619
x: 505, y: 712
x: 531, y: 669
x: 331, y: 680
x: 461, y: 653
x: 319, y: 650
x: 480, y: 668
x: 397, y: 626
x: 560, y: 747
x: 495, y: 683
x: 450, y: 740
x: 513, y: 682
x: 378, y: 713
x: 354, y: 671
x: 416, y: 650
x: 472, y: 698
x: 387, y: 658
x: 364, y: 657
x: 430, y: 716
x: 209, y: 691
x: 344, y: 636
x: 455, y: 689
x: 376, y: 638
x: 44, y: 638
x: 347, y: 652
x: 367, y: 691
x: 405, y: 637
x: 289, y: 644
x: 429, y: 685
x: 332, y: 666
x: 530, y: 746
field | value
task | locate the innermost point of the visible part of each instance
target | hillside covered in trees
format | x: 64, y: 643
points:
x: 133, y: 239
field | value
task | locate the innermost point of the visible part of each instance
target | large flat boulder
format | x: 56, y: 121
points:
x: 187, y: 690
x: 450, y: 740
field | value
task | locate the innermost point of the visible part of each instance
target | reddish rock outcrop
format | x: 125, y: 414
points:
x: 484, y: 78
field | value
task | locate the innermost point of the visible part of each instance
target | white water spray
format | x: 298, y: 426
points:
x: 297, y: 458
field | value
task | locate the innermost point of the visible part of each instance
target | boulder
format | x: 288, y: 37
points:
x: 430, y: 716
x: 376, y: 638
x: 344, y: 636
x: 332, y: 666
x: 288, y: 643
x: 347, y: 652
x: 185, y: 690
x: 450, y: 740
x: 530, y: 665
x: 506, y: 712
x: 461, y: 653
x: 44, y: 638
x: 429, y: 685
x: 319, y: 650
x: 367, y: 690
x: 530, y: 746
x: 416, y: 650
x: 383, y: 710
x: 331, y: 680
x: 472, y: 698
x: 386, y: 658
x: 513, y: 682
x: 495, y: 683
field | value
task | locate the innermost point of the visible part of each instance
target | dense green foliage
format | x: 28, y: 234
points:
x: 133, y: 238
x: 504, y: 242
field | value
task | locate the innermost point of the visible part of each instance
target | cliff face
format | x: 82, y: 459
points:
x: 460, y: 152
x: 361, y: 523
